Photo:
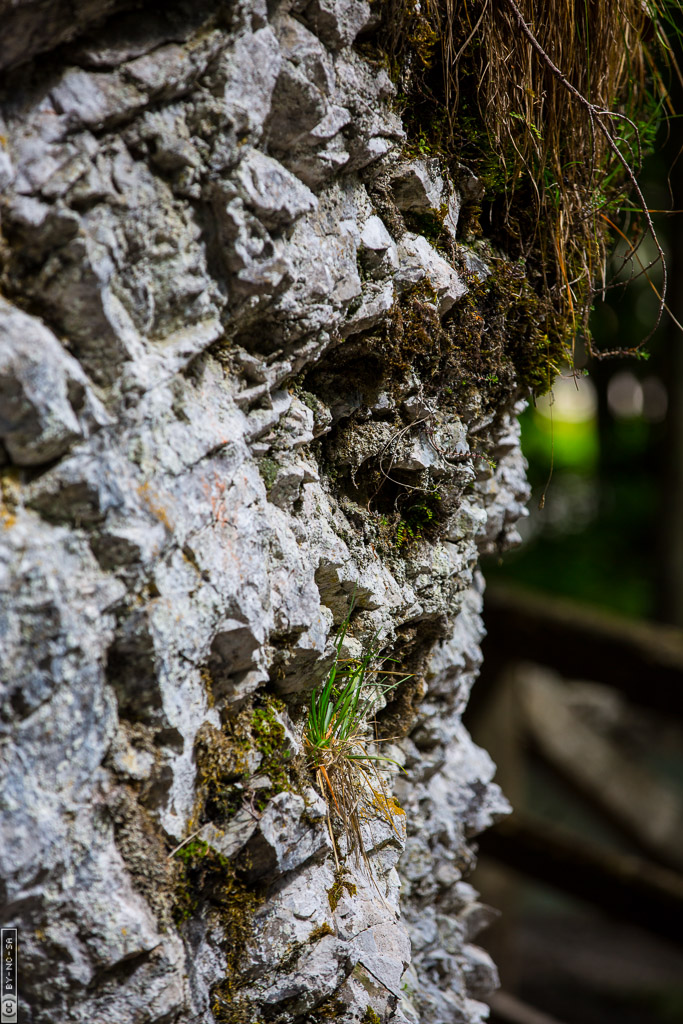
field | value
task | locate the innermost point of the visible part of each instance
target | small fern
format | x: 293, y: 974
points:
x: 415, y: 518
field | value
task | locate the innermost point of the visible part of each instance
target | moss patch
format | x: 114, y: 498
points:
x: 545, y: 176
x: 320, y: 932
x: 371, y: 1016
x: 268, y: 468
x: 339, y: 887
x: 208, y: 882
x: 211, y: 883
x: 269, y: 734
x: 493, y: 347
x: 331, y: 1009
x: 222, y: 757
x: 226, y: 762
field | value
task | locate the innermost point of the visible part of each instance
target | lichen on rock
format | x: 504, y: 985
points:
x: 236, y: 354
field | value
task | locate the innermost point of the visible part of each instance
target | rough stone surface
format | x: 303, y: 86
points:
x: 191, y: 239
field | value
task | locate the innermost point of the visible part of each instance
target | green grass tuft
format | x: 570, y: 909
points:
x: 348, y: 774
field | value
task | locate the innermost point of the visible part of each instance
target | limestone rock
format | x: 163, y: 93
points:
x: 205, y: 386
x: 419, y: 186
x: 46, y: 401
x: 419, y: 261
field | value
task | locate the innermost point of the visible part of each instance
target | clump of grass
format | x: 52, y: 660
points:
x: 336, y: 743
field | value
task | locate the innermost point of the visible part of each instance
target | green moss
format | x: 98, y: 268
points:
x: 223, y: 759
x: 337, y: 889
x: 209, y: 883
x: 320, y: 932
x: 208, y: 879
x: 431, y: 226
x: 371, y: 1016
x: 331, y: 1009
x: 417, y: 517
x: 267, y: 731
x: 268, y: 468
x: 269, y: 735
x: 463, y: 143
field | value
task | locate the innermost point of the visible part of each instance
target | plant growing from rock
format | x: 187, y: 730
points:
x: 348, y: 774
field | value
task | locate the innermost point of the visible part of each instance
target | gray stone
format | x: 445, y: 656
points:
x: 46, y: 401
x: 337, y: 22
x: 188, y: 205
x: 378, y: 248
x: 375, y: 236
x: 475, y: 264
x: 418, y: 260
x: 233, y: 836
x: 450, y: 221
x: 285, y: 840
x: 377, y: 301
x: 30, y: 27
x: 250, y: 73
x: 273, y: 194
x: 419, y: 186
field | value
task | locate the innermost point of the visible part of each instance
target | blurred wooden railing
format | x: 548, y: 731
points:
x: 643, y: 660
x: 527, y: 713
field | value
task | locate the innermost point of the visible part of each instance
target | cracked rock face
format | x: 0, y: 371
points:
x: 202, y: 245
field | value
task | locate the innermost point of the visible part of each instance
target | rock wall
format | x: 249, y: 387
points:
x: 229, y: 411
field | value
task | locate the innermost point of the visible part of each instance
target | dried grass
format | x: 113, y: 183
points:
x: 567, y: 94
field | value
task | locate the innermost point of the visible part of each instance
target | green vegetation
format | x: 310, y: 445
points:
x: 347, y: 774
x: 268, y: 734
x: 320, y: 932
x: 206, y: 881
x: 371, y: 1016
x: 416, y: 517
x: 209, y: 883
x: 339, y: 887
x: 268, y: 468
x: 596, y: 538
x: 223, y: 759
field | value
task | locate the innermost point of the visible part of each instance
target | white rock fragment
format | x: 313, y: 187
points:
x: 337, y: 22
x: 275, y: 196
x: 419, y: 186
x: 252, y: 69
x: 418, y: 260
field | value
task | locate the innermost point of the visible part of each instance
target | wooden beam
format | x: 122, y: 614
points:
x: 626, y: 887
x: 642, y: 660
x: 508, y: 1008
x: 643, y: 806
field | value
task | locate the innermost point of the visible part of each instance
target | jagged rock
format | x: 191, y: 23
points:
x: 337, y: 22
x: 46, y: 401
x: 205, y: 387
x: 285, y: 840
x: 275, y: 196
x: 419, y: 261
x: 378, y: 248
x: 419, y: 186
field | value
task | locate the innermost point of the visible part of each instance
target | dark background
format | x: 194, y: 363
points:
x: 609, y: 537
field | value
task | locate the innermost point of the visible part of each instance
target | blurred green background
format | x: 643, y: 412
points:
x: 610, y: 431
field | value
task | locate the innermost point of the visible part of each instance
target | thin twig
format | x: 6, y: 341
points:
x: 184, y: 842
